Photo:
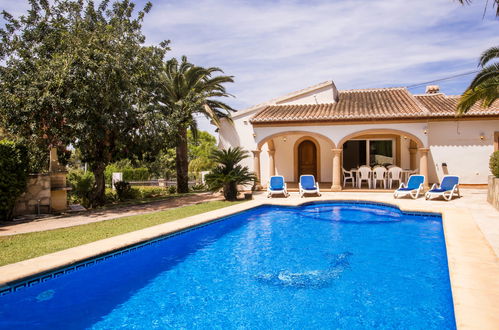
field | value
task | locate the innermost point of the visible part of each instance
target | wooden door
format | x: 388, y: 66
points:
x: 307, y: 159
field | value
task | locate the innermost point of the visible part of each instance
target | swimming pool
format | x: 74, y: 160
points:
x: 320, y: 265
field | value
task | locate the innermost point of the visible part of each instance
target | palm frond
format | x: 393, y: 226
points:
x: 486, y: 93
x: 489, y: 72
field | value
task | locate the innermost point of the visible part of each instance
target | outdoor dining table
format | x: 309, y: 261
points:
x: 406, y: 172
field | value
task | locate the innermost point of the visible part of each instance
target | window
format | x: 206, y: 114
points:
x: 380, y: 152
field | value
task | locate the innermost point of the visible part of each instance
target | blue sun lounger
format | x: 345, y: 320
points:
x: 447, y: 189
x: 413, y: 188
x: 277, y: 186
x: 308, y: 185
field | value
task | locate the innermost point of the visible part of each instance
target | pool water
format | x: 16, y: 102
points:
x: 318, y: 266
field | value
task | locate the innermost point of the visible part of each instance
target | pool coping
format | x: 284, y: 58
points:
x: 473, y: 265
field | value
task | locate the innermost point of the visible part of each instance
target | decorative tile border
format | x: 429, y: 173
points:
x: 44, y: 277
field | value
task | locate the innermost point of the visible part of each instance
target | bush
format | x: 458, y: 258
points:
x: 111, y: 196
x: 494, y: 163
x: 172, y: 190
x: 123, y: 190
x: 136, y: 174
x: 82, y: 184
x: 150, y: 192
x: 199, y: 187
x: 13, y: 175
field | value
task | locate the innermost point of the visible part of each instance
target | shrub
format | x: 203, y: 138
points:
x: 136, y: 174
x: 198, y: 187
x: 172, y: 190
x: 13, y: 175
x: 123, y: 190
x: 229, y: 173
x: 149, y: 192
x: 111, y: 196
x: 82, y: 184
x: 494, y: 163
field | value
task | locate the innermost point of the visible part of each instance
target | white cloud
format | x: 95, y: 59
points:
x: 275, y: 47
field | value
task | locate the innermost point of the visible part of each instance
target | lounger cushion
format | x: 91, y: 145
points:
x: 277, y: 183
x: 414, y: 182
x: 439, y: 190
x: 449, y: 182
x: 308, y: 182
x: 405, y: 189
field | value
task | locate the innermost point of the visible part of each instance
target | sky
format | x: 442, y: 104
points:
x: 276, y: 47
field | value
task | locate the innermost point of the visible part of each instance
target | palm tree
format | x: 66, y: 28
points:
x: 494, y: 4
x: 485, y: 86
x: 229, y: 173
x: 188, y: 90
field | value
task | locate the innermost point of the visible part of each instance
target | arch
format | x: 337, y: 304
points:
x: 419, y: 143
x: 306, y: 133
x: 296, y: 160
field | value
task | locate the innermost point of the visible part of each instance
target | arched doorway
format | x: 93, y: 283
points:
x: 307, y: 158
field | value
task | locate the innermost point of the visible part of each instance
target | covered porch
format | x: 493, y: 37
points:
x: 294, y: 153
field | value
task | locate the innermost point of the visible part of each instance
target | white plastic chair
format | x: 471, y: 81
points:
x: 348, y: 175
x: 394, y: 174
x: 379, y: 174
x: 364, y: 174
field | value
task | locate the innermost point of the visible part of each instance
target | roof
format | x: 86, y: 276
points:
x: 285, y: 97
x: 371, y: 104
x: 441, y: 105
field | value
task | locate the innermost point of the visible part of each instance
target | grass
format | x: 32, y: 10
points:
x: 25, y: 246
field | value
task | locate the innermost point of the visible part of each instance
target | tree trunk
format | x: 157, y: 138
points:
x: 182, y: 162
x: 230, y: 191
x: 99, y: 193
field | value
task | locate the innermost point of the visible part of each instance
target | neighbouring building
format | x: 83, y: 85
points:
x: 320, y: 130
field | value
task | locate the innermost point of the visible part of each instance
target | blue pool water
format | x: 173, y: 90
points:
x: 318, y: 266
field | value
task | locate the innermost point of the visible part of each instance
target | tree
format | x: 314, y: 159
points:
x: 485, y: 86
x: 200, y: 151
x: 229, y: 173
x: 188, y: 90
x: 13, y: 176
x: 494, y: 4
x: 74, y: 73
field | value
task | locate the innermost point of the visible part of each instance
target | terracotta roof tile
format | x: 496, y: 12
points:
x: 441, y: 105
x: 370, y: 104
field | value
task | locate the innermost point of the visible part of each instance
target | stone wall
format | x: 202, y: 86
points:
x: 493, y: 192
x: 37, y: 193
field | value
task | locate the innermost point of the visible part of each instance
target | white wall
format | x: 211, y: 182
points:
x: 322, y: 95
x: 458, y: 144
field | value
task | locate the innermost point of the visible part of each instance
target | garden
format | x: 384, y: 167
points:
x: 79, y: 78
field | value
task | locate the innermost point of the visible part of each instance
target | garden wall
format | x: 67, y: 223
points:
x: 493, y: 192
x: 37, y: 195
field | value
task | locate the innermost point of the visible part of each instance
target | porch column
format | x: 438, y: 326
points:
x: 423, y: 164
x: 412, y: 158
x: 336, y: 184
x: 271, y: 162
x: 256, y: 167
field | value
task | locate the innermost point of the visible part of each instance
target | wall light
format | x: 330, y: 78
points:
x: 482, y: 136
x: 284, y: 139
x: 425, y: 130
x: 254, y: 135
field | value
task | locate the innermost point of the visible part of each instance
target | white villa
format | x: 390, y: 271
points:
x: 320, y: 130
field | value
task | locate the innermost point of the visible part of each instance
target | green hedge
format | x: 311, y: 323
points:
x: 129, y: 173
x: 136, y: 174
x: 14, y: 166
x: 494, y: 163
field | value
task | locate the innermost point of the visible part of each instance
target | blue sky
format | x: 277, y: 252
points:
x: 276, y: 47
